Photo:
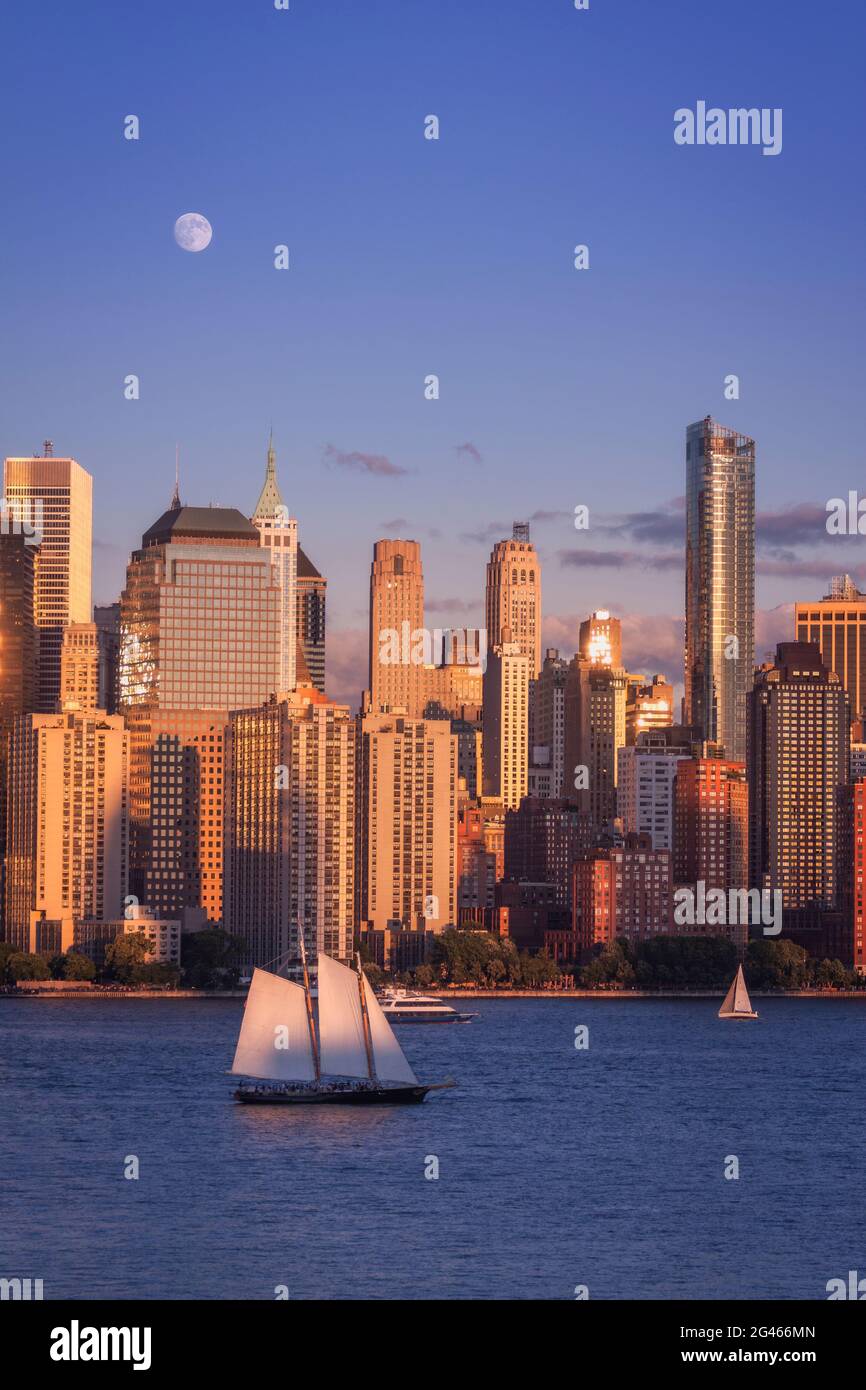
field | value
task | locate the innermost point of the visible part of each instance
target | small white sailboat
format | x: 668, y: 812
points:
x: 737, y: 1003
x: 352, y: 1059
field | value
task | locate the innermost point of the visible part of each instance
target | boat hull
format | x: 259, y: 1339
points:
x: 405, y: 1017
x: 381, y: 1095
x: 738, y: 1016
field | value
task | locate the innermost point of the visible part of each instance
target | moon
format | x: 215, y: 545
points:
x: 192, y: 232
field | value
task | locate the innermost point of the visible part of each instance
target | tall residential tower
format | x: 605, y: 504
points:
x: 720, y: 582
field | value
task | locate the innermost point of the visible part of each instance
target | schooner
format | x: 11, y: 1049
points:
x: 352, y: 1058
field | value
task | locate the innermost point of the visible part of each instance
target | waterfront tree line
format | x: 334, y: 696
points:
x: 211, y: 959
x: 657, y: 962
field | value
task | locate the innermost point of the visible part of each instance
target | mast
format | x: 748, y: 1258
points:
x: 313, y: 1042
x: 368, y: 1039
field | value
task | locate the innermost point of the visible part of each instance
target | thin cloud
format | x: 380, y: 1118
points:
x: 377, y: 464
x: 585, y: 558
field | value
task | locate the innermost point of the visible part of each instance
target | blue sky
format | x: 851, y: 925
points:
x: 452, y: 257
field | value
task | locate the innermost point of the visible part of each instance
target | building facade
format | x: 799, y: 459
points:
x: 67, y: 835
x: 623, y: 891
x: 55, y: 498
x: 397, y: 648
x: 711, y: 823
x: 200, y: 622
x: 290, y: 827
x: 797, y: 770
x: 505, y: 724
x: 311, y: 601
x: 279, y: 535
x: 647, y: 773
x: 837, y: 625
x: 407, y: 824
x: 513, y: 596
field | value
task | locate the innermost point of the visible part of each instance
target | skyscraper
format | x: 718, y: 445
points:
x: 19, y: 656
x: 397, y: 637
x: 797, y: 771
x: 837, y: 624
x: 67, y: 825
x: 107, y: 619
x: 711, y: 822
x: 646, y: 776
x: 648, y: 705
x: 513, y: 599
x: 55, y: 495
x: 200, y: 622
x: 279, y: 534
x: 407, y: 824
x: 595, y: 696
x: 81, y: 657
x: 184, y: 874
x: 290, y: 826
x: 720, y: 582
x: 312, y: 587
x: 547, y: 720
x: 505, y: 723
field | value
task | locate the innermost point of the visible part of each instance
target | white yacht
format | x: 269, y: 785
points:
x: 405, y: 1006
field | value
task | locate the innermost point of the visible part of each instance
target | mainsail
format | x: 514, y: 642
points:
x: 274, y: 1042
x: 342, y: 1049
x: 391, y: 1064
x: 341, y: 1029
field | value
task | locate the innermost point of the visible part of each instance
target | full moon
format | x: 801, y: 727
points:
x: 192, y: 231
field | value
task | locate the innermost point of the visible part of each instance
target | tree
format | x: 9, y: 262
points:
x: 77, y: 967
x: 374, y: 976
x: 776, y: 965
x: 537, y: 971
x: 125, y: 955
x: 25, y: 965
x: 831, y: 974
x: 159, y: 974
x: 211, y: 958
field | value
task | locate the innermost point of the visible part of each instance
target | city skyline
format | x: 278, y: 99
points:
x: 438, y: 275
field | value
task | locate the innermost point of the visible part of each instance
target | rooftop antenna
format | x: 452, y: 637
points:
x: 48, y: 448
x: 175, y: 500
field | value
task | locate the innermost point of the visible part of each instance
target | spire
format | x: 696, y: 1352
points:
x: 270, y: 497
x: 175, y: 498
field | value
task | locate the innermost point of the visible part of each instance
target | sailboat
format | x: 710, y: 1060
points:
x: 352, y: 1059
x: 737, y: 1003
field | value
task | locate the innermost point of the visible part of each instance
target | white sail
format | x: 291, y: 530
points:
x: 742, y: 1002
x: 274, y: 1042
x: 342, y: 1051
x: 391, y: 1064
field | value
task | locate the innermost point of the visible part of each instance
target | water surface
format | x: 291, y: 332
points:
x: 557, y: 1167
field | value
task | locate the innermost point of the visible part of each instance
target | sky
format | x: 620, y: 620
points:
x: 409, y: 257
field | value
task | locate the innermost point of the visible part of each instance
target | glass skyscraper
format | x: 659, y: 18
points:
x: 720, y: 582
x: 199, y: 631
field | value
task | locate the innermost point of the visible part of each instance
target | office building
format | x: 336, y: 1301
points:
x: 52, y: 498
